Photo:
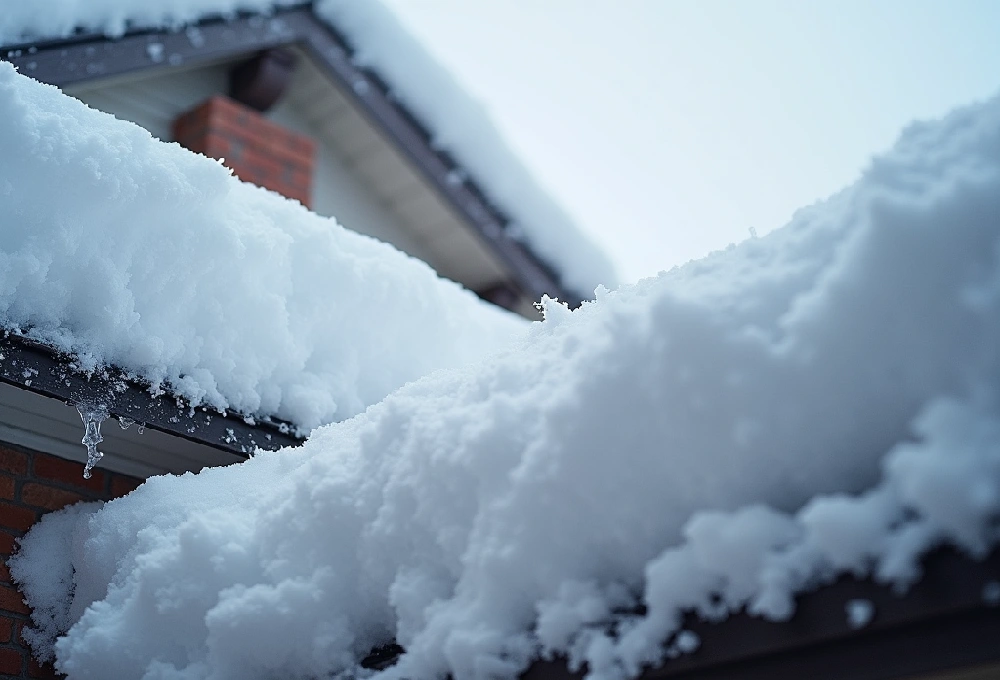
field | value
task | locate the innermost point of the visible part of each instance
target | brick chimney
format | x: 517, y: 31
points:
x: 258, y: 150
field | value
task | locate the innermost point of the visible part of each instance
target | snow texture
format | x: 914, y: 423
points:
x: 859, y: 613
x: 124, y: 250
x: 459, y: 124
x: 823, y: 400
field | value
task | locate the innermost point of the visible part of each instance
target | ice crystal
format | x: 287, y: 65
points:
x: 92, y: 415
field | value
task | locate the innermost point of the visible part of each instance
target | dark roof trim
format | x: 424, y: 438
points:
x: 89, y: 57
x: 943, y: 622
x: 34, y: 367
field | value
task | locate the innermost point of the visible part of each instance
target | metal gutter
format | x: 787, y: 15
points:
x: 35, y: 367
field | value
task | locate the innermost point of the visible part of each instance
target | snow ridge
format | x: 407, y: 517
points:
x: 121, y: 249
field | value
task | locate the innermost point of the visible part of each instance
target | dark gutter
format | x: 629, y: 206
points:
x: 88, y: 57
x: 34, y: 367
x: 944, y: 622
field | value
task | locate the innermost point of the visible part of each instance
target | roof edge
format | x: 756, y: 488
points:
x: 35, y: 367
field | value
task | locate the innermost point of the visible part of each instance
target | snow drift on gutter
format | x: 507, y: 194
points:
x: 825, y: 399
x: 458, y: 123
x: 120, y: 249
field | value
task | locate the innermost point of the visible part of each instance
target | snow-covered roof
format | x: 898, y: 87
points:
x: 823, y: 400
x: 459, y: 125
x: 121, y: 249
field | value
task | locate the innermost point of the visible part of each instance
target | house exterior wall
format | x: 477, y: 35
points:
x: 33, y: 483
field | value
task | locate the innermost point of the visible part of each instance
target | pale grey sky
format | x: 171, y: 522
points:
x: 668, y: 128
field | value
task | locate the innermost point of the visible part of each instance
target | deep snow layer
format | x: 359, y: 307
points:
x: 458, y: 123
x: 821, y: 400
x: 121, y: 249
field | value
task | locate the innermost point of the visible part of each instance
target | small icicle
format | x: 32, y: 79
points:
x: 92, y: 415
x: 142, y: 428
x: 124, y: 422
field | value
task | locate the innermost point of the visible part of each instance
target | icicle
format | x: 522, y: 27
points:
x: 92, y: 415
x: 124, y: 422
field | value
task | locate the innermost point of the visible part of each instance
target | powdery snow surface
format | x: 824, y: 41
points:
x: 822, y: 400
x: 122, y: 249
x: 458, y: 123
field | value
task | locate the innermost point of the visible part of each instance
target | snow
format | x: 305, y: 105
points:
x: 859, y: 613
x: 457, y: 122
x: 123, y: 250
x: 820, y: 401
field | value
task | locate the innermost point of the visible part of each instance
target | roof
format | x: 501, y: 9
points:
x: 409, y: 98
x: 949, y: 621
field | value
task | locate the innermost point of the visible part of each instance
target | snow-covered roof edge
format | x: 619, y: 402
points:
x: 464, y: 128
x: 458, y: 124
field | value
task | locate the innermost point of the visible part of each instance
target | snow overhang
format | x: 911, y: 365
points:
x: 89, y: 56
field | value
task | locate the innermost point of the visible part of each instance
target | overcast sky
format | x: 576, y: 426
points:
x: 668, y: 129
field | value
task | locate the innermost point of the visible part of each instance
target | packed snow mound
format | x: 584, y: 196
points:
x: 459, y: 124
x: 124, y: 250
x: 825, y: 399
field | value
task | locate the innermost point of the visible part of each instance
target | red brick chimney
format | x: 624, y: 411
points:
x: 258, y: 150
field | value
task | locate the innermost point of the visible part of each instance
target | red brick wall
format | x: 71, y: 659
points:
x: 31, y: 484
x: 256, y: 149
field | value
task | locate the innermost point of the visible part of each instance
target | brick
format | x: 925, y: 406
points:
x: 7, y: 543
x: 68, y: 472
x: 258, y: 150
x: 7, y: 487
x: 13, y: 461
x: 40, y: 670
x: 6, y: 628
x: 12, y: 601
x: 217, y: 146
x: 48, y: 497
x: 11, y: 661
x: 122, y: 485
x: 16, y: 517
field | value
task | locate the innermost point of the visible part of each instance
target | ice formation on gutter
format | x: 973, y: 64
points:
x: 92, y: 415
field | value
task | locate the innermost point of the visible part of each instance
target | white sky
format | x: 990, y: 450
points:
x: 670, y: 128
